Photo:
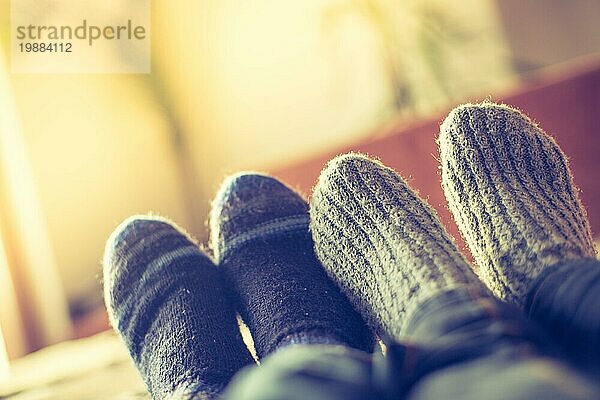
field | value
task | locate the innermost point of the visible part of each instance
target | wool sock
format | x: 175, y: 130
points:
x: 260, y: 236
x: 166, y: 299
x: 383, y: 245
x: 512, y: 195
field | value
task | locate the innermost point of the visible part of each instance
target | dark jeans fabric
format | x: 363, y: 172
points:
x: 301, y: 372
x: 565, y: 301
x: 472, y: 346
x: 464, y: 344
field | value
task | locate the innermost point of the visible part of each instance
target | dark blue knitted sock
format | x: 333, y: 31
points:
x: 260, y: 236
x: 166, y: 299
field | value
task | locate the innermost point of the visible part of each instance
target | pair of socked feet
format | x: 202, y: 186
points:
x: 374, y: 252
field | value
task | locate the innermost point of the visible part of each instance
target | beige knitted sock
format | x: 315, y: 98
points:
x: 381, y: 243
x: 512, y: 195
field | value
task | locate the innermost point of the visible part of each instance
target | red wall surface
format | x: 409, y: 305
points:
x: 566, y: 105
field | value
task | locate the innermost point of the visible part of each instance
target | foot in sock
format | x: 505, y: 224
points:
x: 512, y: 196
x: 383, y: 245
x: 260, y: 237
x: 166, y: 299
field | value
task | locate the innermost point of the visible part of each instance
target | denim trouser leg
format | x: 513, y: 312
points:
x: 301, y: 371
x: 461, y: 344
x: 565, y: 300
x: 472, y: 346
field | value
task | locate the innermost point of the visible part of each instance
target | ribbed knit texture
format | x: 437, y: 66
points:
x: 383, y: 245
x: 166, y: 299
x: 260, y: 236
x: 512, y: 195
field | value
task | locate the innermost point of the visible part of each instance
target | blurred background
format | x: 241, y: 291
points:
x: 259, y: 84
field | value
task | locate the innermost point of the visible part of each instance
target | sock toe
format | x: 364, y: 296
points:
x: 250, y: 206
x: 126, y: 257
